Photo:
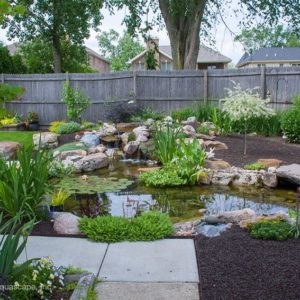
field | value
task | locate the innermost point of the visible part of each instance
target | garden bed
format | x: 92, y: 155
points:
x: 257, y: 147
x: 236, y: 266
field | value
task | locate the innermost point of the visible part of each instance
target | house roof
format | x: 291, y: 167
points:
x: 271, y: 54
x: 205, y: 55
x: 12, y: 48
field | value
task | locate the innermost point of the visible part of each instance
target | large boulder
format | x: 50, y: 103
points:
x: 131, y: 147
x: 141, y: 133
x: 90, y: 139
x: 79, y: 152
x: 126, y: 127
x: 66, y: 223
x: 234, y: 216
x: 45, y: 140
x: 189, y: 130
x: 270, y: 162
x: 216, y: 145
x: 8, y: 150
x: 269, y: 179
x: 222, y: 178
x: 192, y: 121
x: 107, y: 129
x: 290, y: 173
x: 91, y: 162
x: 217, y: 164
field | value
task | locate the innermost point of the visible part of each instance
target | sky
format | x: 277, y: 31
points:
x: 224, y: 39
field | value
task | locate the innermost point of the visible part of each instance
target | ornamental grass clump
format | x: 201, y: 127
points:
x: 242, y: 105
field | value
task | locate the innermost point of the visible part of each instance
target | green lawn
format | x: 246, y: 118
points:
x: 22, y: 137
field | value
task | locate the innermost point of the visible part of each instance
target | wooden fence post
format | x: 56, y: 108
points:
x: 205, y: 86
x: 263, y: 86
x: 134, y: 88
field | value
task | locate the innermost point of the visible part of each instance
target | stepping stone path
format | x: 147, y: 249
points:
x: 164, y: 269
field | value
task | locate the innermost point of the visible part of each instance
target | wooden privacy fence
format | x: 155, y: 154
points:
x: 161, y: 90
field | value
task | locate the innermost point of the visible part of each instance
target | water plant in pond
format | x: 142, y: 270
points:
x: 148, y: 226
x: 59, y: 197
x: 93, y: 184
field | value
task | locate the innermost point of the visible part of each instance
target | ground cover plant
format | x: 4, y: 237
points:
x: 290, y: 122
x: 276, y: 229
x: 148, y: 226
x: 69, y: 127
x: 254, y: 166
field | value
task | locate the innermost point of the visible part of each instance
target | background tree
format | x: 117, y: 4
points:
x: 12, y: 64
x: 6, y: 9
x: 263, y: 37
x: 54, y: 21
x: 119, y: 49
x: 184, y: 19
x: 74, y: 57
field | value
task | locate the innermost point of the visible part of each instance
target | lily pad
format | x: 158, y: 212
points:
x: 93, y: 184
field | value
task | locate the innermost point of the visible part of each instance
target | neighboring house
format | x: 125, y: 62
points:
x: 271, y: 57
x: 96, y: 61
x: 207, y: 58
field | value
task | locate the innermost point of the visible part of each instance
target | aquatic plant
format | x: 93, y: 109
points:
x: 59, y: 197
x: 93, y: 184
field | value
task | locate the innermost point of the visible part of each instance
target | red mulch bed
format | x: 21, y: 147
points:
x: 235, y: 266
x: 257, y: 147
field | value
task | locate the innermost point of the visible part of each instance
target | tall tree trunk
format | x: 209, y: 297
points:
x: 184, y: 32
x: 56, y: 38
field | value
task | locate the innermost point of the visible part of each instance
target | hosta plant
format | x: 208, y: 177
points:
x: 242, y: 105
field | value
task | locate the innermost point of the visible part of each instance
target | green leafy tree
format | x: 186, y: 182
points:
x: 55, y: 21
x: 184, y: 19
x: 74, y: 57
x: 11, y: 63
x: 6, y: 9
x: 264, y: 36
x: 75, y: 100
x: 119, y: 49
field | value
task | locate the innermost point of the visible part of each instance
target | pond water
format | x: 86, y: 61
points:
x: 182, y: 203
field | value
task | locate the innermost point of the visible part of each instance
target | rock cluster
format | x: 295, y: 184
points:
x: 45, y: 140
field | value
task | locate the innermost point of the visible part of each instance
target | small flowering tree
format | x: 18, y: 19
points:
x: 242, y: 105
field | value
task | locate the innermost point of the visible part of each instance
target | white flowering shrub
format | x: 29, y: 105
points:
x: 39, y: 282
x: 242, y: 105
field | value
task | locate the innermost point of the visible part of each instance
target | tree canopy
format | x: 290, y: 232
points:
x: 186, y: 20
x: 54, y: 21
x: 119, y: 49
x: 265, y: 36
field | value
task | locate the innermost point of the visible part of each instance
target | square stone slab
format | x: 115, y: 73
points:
x: 147, y: 291
x: 77, y: 252
x: 170, y: 260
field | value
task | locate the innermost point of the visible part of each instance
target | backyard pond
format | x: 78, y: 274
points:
x: 181, y: 203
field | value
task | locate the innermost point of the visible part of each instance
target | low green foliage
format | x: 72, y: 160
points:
x: 66, y: 128
x: 295, y: 214
x: 54, y: 125
x: 131, y: 137
x: 167, y: 176
x: 109, y: 229
x: 203, y: 129
x: 71, y: 147
x: 290, y: 122
x: 277, y: 229
x: 254, y: 166
x: 10, y: 92
x: 70, y: 270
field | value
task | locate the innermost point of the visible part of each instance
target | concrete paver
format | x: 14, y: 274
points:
x: 169, y: 260
x: 147, y: 291
x: 66, y: 251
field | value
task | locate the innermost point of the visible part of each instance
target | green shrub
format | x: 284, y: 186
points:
x: 66, y: 128
x: 183, y: 114
x: 277, y: 229
x: 150, y: 226
x: 131, y: 137
x: 54, y: 125
x: 76, y: 102
x: 146, y: 113
x: 167, y: 176
x: 254, y: 166
x: 109, y: 229
x: 202, y: 129
x: 24, y: 183
x: 290, y: 122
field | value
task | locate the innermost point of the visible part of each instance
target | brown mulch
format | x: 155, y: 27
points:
x: 235, y: 266
x: 257, y: 147
x: 61, y: 295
